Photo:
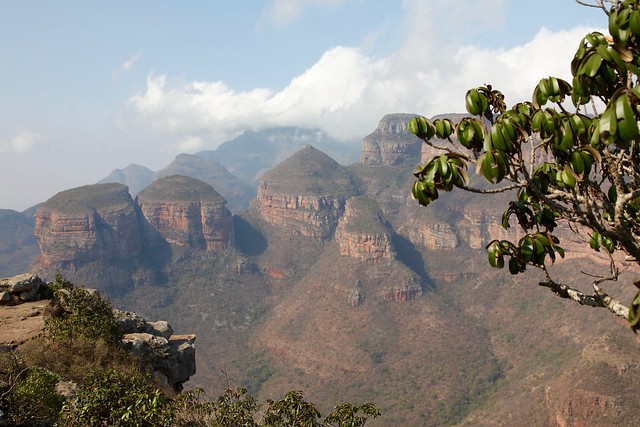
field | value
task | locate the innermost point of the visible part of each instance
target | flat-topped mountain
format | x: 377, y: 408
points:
x: 305, y: 194
x: 187, y: 212
x: 342, y: 285
x: 87, y: 224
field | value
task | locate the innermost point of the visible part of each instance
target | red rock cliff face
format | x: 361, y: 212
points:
x: 361, y: 234
x: 311, y: 216
x: 86, y: 224
x: 305, y: 194
x: 391, y: 143
x: 188, y: 213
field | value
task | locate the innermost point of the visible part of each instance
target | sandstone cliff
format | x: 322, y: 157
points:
x: 362, y: 233
x: 188, y: 213
x: 305, y: 194
x: 391, y: 143
x: 93, y: 222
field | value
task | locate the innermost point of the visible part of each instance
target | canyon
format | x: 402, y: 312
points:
x: 331, y: 280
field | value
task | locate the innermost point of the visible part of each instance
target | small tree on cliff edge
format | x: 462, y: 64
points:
x: 577, y: 165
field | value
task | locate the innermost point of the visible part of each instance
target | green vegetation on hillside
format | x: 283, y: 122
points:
x: 310, y: 172
x: 81, y: 350
x: 180, y: 188
x: 366, y: 216
x: 90, y: 197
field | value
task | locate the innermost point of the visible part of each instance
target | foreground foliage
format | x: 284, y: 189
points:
x: 566, y: 163
x: 81, y: 348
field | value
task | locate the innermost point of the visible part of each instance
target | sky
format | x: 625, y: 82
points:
x: 90, y: 86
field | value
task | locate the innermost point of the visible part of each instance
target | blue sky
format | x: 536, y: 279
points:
x: 89, y: 86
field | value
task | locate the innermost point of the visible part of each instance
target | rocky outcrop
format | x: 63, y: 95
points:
x: 171, y: 356
x: 479, y: 227
x: 22, y: 309
x: 391, y: 143
x: 21, y: 288
x: 187, y: 213
x: 88, y: 223
x: 305, y: 194
x: 435, y: 236
x: 361, y: 232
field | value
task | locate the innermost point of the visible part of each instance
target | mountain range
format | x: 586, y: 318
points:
x: 297, y: 271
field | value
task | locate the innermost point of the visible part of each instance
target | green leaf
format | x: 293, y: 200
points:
x: 495, y: 255
x: 526, y: 248
x: 592, y: 65
x: 421, y: 127
x: 634, y: 22
x: 476, y: 102
x: 577, y: 162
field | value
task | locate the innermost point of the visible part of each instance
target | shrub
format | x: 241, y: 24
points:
x: 84, y: 314
x: 118, y: 399
x: 32, y: 399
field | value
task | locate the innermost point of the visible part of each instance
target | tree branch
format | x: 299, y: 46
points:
x: 492, y: 190
x: 598, y: 299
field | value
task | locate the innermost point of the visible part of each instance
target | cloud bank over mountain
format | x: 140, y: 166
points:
x: 348, y: 89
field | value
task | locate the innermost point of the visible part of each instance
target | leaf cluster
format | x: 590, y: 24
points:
x: 568, y: 166
x: 119, y: 399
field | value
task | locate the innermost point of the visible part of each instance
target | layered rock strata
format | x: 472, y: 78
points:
x: 361, y: 232
x: 390, y: 143
x: 86, y: 224
x: 188, y: 213
x: 171, y: 356
x: 305, y: 194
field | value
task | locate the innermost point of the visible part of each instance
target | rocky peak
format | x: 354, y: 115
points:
x: 134, y: 176
x: 305, y: 194
x: 88, y: 223
x: 361, y: 232
x: 236, y: 192
x: 391, y: 143
x: 188, y: 213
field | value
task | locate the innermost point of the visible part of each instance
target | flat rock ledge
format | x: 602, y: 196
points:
x: 24, y: 302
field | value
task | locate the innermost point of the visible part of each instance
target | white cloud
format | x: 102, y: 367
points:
x: 125, y: 67
x: 284, y: 12
x: 21, y: 142
x: 346, y: 92
x: 129, y: 63
x: 191, y: 144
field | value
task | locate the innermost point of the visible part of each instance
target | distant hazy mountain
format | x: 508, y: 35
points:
x: 237, y: 192
x: 134, y: 176
x: 253, y: 153
x: 18, y: 245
